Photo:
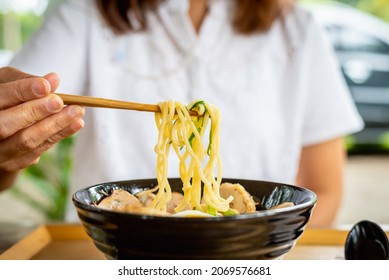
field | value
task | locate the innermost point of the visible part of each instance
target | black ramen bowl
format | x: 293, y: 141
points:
x: 266, y: 234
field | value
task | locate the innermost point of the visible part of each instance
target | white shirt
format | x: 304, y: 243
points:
x: 277, y: 91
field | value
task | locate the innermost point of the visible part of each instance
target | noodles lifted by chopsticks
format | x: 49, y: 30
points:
x: 197, y: 160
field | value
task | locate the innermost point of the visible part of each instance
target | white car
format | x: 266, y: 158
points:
x: 361, y: 42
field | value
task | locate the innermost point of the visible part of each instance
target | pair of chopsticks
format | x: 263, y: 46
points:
x: 97, y: 102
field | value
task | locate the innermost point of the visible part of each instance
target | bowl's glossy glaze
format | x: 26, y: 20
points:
x: 267, y: 234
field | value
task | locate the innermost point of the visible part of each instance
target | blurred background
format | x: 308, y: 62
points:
x: 359, y: 33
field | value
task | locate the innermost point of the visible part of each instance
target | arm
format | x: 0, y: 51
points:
x: 31, y: 120
x: 321, y: 170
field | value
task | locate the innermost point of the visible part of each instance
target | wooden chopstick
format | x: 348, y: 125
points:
x: 97, y: 102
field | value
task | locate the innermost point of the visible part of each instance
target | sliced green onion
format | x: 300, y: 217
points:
x: 198, y: 103
x: 229, y: 213
x: 212, y: 211
x: 210, y: 142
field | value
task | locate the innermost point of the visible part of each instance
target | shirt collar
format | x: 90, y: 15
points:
x: 174, y: 17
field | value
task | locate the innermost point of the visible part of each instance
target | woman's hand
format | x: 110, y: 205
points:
x: 32, y: 120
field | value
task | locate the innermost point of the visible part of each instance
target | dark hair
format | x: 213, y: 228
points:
x: 249, y: 16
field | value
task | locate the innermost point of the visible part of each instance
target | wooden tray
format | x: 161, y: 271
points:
x: 70, y: 242
x: 54, y: 242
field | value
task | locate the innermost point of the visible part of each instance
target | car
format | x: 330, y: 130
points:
x: 361, y: 43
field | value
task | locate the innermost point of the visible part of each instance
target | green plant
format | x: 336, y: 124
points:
x: 45, y: 186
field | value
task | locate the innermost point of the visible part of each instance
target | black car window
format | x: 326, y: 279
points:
x: 355, y: 40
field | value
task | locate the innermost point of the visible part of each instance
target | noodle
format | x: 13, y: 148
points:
x: 184, y: 133
x: 203, y: 194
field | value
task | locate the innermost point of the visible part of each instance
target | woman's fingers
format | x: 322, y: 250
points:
x: 10, y: 74
x: 32, y: 119
x: 17, y: 92
x: 17, y: 87
x: 32, y: 157
x: 31, y: 138
x: 24, y: 115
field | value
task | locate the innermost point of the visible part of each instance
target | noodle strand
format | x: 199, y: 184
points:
x: 197, y: 162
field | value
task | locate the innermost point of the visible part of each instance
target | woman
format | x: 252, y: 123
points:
x: 265, y: 64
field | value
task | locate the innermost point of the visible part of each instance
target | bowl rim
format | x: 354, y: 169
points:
x: 258, y: 214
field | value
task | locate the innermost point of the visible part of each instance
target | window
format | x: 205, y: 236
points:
x: 355, y: 40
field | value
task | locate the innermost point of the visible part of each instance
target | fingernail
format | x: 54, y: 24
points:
x: 76, y: 111
x: 54, y: 104
x: 40, y: 87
